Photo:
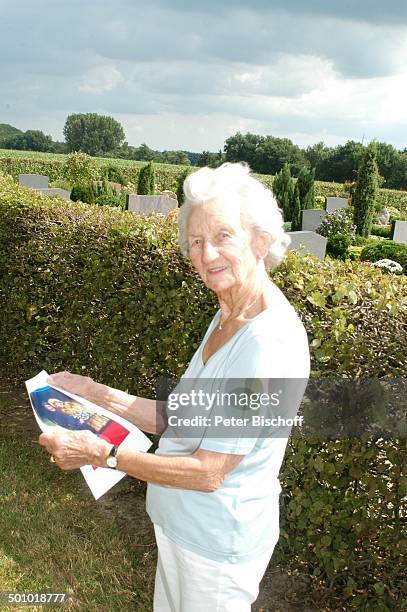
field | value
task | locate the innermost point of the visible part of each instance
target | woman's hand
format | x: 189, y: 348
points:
x: 73, y: 449
x: 75, y: 383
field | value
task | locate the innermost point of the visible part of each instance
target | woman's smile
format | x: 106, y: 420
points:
x: 215, y: 271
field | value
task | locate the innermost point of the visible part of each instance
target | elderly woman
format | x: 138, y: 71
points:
x: 214, y: 501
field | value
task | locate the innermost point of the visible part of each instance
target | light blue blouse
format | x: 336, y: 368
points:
x: 240, y: 520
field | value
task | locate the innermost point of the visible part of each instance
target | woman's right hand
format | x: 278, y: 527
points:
x: 74, y: 383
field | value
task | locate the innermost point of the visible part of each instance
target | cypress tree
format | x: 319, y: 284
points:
x: 364, y: 197
x: 146, y: 184
x: 296, y: 209
x: 180, y: 185
x: 286, y: 192
x: 306, y: 187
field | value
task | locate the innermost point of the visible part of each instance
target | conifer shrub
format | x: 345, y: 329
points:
x: 365, y: 192
x: 305, y: 183
x: 113, y: 173
x: 296, y: 209
x: 146, y: 184
x: 283, y: 190
x: 180, y: 184
x: 83, y: 193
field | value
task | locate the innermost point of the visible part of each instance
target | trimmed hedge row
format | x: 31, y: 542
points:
x: 166, y: 176
x: 106, y: 293
x: 385, y: 249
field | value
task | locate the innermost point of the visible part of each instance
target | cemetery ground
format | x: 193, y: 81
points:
x: 55, y: 537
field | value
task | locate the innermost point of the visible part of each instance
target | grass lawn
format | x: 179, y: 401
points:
x: 54, y: 537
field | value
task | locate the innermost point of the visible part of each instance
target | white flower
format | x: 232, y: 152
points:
x: 388, y: 265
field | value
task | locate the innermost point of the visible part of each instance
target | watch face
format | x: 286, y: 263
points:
x: 111, y: 462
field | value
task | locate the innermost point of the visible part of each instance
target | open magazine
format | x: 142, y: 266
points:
x: 54, y: 407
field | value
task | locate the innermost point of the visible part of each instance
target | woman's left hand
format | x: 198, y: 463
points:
x: 73, y: 449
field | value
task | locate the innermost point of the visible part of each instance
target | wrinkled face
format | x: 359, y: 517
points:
x: 221, y: 250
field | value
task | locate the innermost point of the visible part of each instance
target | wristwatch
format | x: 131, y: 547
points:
x: 111, y: 460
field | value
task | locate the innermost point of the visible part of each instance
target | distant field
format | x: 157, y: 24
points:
x: 62, y: 156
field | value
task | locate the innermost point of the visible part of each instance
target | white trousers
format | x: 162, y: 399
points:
x: 187, y: 582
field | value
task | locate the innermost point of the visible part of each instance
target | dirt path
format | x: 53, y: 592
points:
x: 280, y: 589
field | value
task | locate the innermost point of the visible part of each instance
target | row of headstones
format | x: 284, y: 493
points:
x: 304, y: 240
x: 135, y: 203
x: 307, y: 239
x: 39, y: 182
x: 312, y: 218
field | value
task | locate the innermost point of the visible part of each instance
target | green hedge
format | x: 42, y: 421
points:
x: 166, y: 176
x: 385, y: 249
x: 106, y: 293
x: 380, y: 230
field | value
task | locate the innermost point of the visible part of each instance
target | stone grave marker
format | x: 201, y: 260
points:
x: 308, y: 242
x: 400, y: 232
x: 311, y: 218
x: 35, y: 181
x: 146, y: 205
x: 334, y: 203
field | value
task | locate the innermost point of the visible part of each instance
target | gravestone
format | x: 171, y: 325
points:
x: 55, y: 191
x: 35, y: 181
x: 311, y: 218
x: 308, y: 242
x: 334, y: 203
x: 400, y: 232
x: 146, y: 205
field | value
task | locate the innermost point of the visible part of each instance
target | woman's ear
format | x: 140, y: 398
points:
x: 261, y: 245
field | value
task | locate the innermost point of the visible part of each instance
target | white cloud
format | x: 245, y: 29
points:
x: 104, y: 77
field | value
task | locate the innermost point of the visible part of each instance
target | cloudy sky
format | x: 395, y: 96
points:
x: 186, y: 75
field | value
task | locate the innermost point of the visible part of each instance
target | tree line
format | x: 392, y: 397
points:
x: 104, y: 136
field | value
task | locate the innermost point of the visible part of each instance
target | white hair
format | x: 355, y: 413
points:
x: 258, y: 206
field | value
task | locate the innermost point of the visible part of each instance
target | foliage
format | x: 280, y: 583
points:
x: 296, y: 209
x: 385, y: 249
x: 305, y: 183
x: 264, y: 154
x: 145, y: 153
x: 337, y: 245
x: 31, y: 140
x: 180, y: 185
x: 146, y: 185
x: 83, y: 192
x: 139, y: 303
x: 80, y: 168
x: 113, y: 173
x: 381, y: 230
x: 338, y: 228
x: 212, y: 160
x: 338, y: 222
x: 283, y: 190
x: 107, y: 196
x: 92, y: 133
x: 364, y: 197
x: 6, y: 131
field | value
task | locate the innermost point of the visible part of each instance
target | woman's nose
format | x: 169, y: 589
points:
x: 209, y: 252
